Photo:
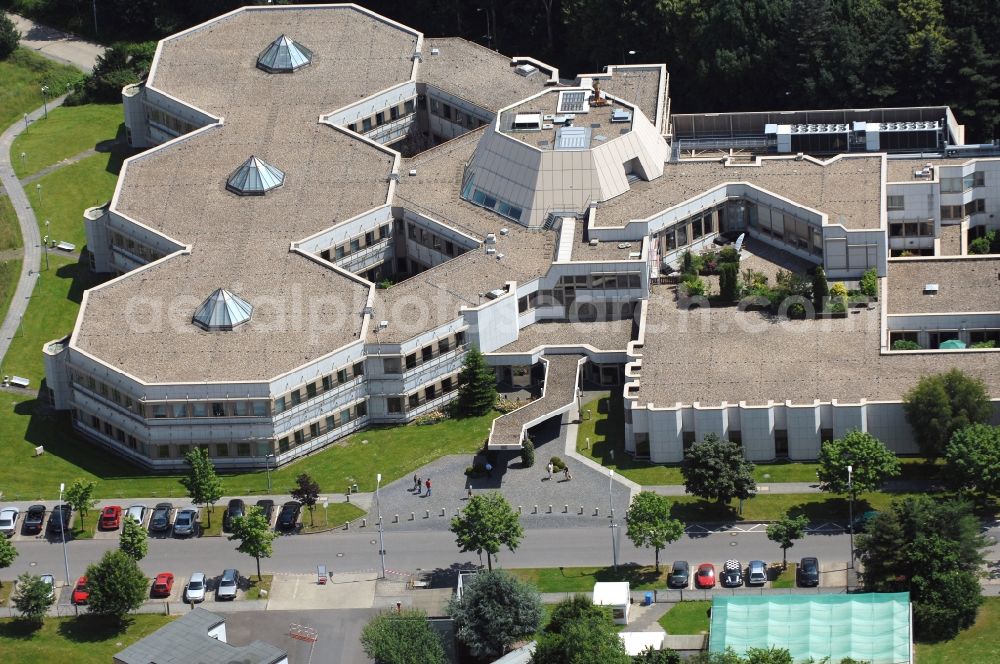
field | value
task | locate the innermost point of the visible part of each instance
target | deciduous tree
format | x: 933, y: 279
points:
x: 486, y: 523
x: 477, y: 391
x: 32, y: 597
x: 202, y: 483
x: 402, y: 638
x: 785, y: 531
x: 10, y: 37
x: 580, y: 632
x: 255, y: 536
x: 495, y: 611
x: 7, y: 554
x: 134, y: 542
x: 871, y: 461
x: 117, y: 586
x: 648, y: 523
x: 80, y: 496
x: 306, y: 491
x: 941, y: 404
x: 715, y: 469
x: 973, y: 459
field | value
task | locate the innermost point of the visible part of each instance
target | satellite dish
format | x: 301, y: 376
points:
x: 739, y: 242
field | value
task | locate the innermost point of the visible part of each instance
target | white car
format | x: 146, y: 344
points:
x: 194, y: 591
x: 8, y: 521
x: 137, y: 513
x: 51, y: 580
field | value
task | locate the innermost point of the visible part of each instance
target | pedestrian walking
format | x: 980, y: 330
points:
x: 470, y: 493
x: 428, y: 485
x: 416, y: 483
x: 566, y: 474
x: 420, y: 487
x: 550, y: 468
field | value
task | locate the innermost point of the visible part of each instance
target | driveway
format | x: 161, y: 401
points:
x: 56, y: 45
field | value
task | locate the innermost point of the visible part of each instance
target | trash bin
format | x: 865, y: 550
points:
x: 649, y: 598
x: 354, y: 488
x: 321, y: 575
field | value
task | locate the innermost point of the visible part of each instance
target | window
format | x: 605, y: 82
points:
x: 331, y: 422
x: 218, y: 409
x: 178, y: 410
x: 361, y: 409
x: 182, y: 450
x: 390, y: 365
x: 299, y: 436
x: 977, y: 179
x: 894, y: 202
x: 353, y: 126
x: 279, y: 405
x: 687, y: 440
x: 408, y: 106
x: 446, y: 385
x: 411, y: 360
x: 394, y: 404
x: 426, y: 353
x: 366, y: 124
x: 327, y: 383
x: 159, y: 410
x: 394, y: 113
x: 414, y: 400
x: 345, y: 416
x: 682, y: 237
x: 359, y: 369
x: 342, y: 376
x: 222, y: 449
x: 310, y: 390
x: 339, y: 252
x: 460, y: 338
x: 696, y: 229
x: 826, y: 435
x: 781, y: 443
x: 259, y: 408
x: 283, y: 444
x: 370, y: 238
x: 314, y: 430
x: 446, y: 111
x: 243, y: 449
x: 975, y: 206
x: 355, y: 245
x: 380, y: 118
x: 383, y: 231
x: 951, y: 185
x: 163, y: 451
x: 951, y: 211
x: 443, y: 345
x: 296, y: 397
x: 430, y: 392
x: 241, y: 408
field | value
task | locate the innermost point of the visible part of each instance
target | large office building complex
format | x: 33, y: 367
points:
x: 331, y: 209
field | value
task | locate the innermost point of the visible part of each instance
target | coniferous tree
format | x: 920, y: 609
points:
x: 477, y: 390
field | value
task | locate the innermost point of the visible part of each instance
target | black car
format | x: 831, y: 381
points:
x: 60, y: 519
x: 160, y: 520
x: 236, y: 508
x: 808, y: 572
x: 289, y: 515
x: 732, y: 574
x: 266, y: 508
x: 34, y: 519
x: 680, y: 574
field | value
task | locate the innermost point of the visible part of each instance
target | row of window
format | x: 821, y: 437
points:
x: 311, y: 390
x: 957, y: 185
x: 427, y: 393
x: 911, y: 229
x: 601, y: 280
x: 108, y: 429
x: 786, y: 228
x: 937, y: 337
x: 395, y: 364
x: 367, y: 239
x: 137, y: 249
x: 687, y: 232
x: 454, y: 115
x: 490, y: 202
x: 171, y: 123
x: 322, y: 426
x: 386, y: 116
x: 432, y: 240
x: 960, y: 211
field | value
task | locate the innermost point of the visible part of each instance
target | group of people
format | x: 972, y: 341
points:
x: 566, y: 474
x: 419, y: 484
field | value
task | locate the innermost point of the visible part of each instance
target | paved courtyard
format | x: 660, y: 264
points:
x: 524, y: 487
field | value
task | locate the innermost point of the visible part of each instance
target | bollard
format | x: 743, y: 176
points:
x: 412, y: 516
x: 581, y: 509
x: 565, y: 509
x: 518, y: 509
x: 550, y: 509
x: 364, y: 523
x: 442, y: 511
x: 535, y: 510
x: 347, y: 525
x: 597, y: 511
x: 395, y: 518
x: 457, y: 511
x: 612, y: 512
x: 427, y: 514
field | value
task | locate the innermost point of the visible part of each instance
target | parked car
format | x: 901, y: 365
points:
x: 266, y: 508
x: 8, y: 521
x: 34, y: 518
x: 111, y: 517
x: 185, y: 522
x: 235, y: 509
x: 228, y: 583
x: 160, y: 520
x: 163, y: 585
x: 756, y: 573
x: 732, y: 574
x: 194, y: 591
x: 680, y: 574
x: 705, y: 576
x: 808, y: 572
x: 51, y: 580
x: 80, y: 592
x: 60, y: 519
x: 137, y: 513
x: 289, y: 515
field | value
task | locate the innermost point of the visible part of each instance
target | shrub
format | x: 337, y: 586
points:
x: 9, y: 36
x: 980, y: 245
x: 729, y: 255
x: 432, y: 417
x: 687, y: 263
x: 869, y: 283
x: 820, y: 288
x: 693, y: 286
x: 505, y: 405
x: 838, y: 290
x: 475, y: 469
x: 905, y: 344
x: 838, y: 305
x: 753, y: 279
x: 984, y: 344
x: 557, y: 463
x: 528, y: 453
x: 729, y: 281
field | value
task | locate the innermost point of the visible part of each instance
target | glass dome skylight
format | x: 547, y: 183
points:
x: 222, y: 311
x: 284, y: 56
x: 254, y: 177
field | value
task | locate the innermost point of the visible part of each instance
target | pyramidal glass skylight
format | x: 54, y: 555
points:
x: 254, y: 177
x: 284, y: 56
x: 222, y: 311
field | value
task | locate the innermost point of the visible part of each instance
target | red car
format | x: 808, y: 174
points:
x: 80, y: 592
x: 163, y: 584
x: 705, y: 576
x: 111, y: 517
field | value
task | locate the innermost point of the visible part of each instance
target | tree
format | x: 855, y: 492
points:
x: 202, y: 483
x: 133, y: 541
x: 650, y: 656
x: 715, y: 469
x: 648, y: 523
x: 933, y: 549
x: 872, y: 463
x: 821, y: 289
x: 785, y: 531
x: 477, y: 391
x: 32, y: 597
x: 771, y: 655
x: 80, y: 496
x: 7, y: 554
x: 117, y: 586
x: 306, y: 491
x: 580, y: 632
x: 527, y: 453
x: 941, y: 404
x: 973, y: 459
x: 254, y: 534
x: 402, y: 638
x: 486, y: 523
x: 495, y: 611
x: 10, y: 37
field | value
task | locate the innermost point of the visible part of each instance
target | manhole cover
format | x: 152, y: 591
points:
x: 371, y: 541
x: 32, y: 564
x: 734, y: 544
x: 340, y: 555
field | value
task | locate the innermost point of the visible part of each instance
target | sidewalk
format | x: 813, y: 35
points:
x: 57, y: 45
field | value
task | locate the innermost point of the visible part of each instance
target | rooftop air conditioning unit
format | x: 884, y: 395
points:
x: 930, y: 289
x: 413, y: 171
x: 548, y: 126
x: 525, y: 69
x: 495, y: 293
x: 491, y: 238
x: 594, y: 242
x: 382, y: 324
x: 799, y: 156
x: 435, y: 51
x: 504, y: 231
x: 491, y: 250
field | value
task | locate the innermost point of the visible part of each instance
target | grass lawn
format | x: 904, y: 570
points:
x: 784, y: 579
x: 10, y: 229
x: 68, y: 131
x: 23, y: 75
x: 10, y: 272
x: 82, y: 640
x: 333, y: 516
x: 980, y: 644
x: 253, y: 592
x: 68, y: 191
x: 211, y: 525
x: 393, y: 451
x: 5, y: 590
x: 687, y: 618
x: 605, y: 429
x: 582, y: 579
x: 769, y: 507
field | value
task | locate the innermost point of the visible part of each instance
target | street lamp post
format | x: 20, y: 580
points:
x: 850, y: 507
x: 38, y: 190
x: 267, y: 465
x: 45, y: 100
x: 611, y: 513
x: 62, y: 529
x: 45, y: 244
x: 378, y: 509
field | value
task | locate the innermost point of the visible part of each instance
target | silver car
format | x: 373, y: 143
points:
x: 228, y: 583
x: 8, y: 521
x: 756, y: 573
x: 185, y: 522
x: 194, y: 591
x: 137, y: 513
x: 51, y: 581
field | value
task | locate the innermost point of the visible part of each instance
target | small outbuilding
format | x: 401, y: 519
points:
x: 614, y: 594
x: 637, y: 642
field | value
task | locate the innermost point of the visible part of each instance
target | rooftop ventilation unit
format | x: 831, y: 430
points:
x: 413, y: 171
x: 382, y: 324
x: 504, y: 231
x: 435, y: 51
x: 595, y: 242
x: 527, y: 122
x: 496, y: 292
x: 799, y: 156
x: 491, y: 250
x: 621, y: 115
x: 283, y: 56
x: 930, y: 289
x: 491, y: 238
x: 525, y: 69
